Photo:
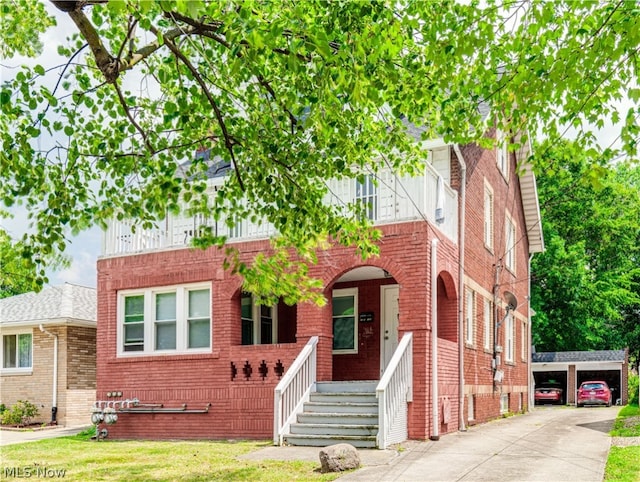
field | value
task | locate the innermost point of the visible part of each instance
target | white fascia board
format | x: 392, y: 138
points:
x: 18, y: 325
x: 549, y: 367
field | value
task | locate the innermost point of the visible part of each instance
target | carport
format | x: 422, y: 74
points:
x: 571, y: 368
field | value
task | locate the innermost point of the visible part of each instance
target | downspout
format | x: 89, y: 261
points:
x: 435, y: 433
x: 54, y: 396
x: 530, y: 388
x: 461, y: 241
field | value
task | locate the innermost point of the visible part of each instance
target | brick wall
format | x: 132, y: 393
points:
x: 76, y: 373
x: 36, y: 387
x: 244, y: 406
x: 484, y: 269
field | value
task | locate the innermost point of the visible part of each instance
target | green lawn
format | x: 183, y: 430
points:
x: 82, y: 459
x: 627, y: 423
x: 623, y: 464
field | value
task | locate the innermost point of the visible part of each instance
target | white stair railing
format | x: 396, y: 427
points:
x: 294, y: 390
x: 393, y: 392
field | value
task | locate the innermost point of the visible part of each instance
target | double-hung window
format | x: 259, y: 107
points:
x: 488, y: 325
x: 469, y: 316
x: 345, y: 328
x: 488, y: 217
x: 509, y: 338
x: 510, y: 245
x: 17, y: 352
x: 502, y: 153
x: 160, y: 320
x: 259, y: 322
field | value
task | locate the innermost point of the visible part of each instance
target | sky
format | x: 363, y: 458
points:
x: 85, y: 248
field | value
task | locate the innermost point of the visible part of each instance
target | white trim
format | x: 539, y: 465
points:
x: 383, y: 290
x: 469, y: 316
x: 17, y: 325
x: 509, y: 339
x: 256, y: 319
x: 488, y: 217
x: 511, y: 232
x: 348, y: 292
x: 487, y: 320
x: 17, y: 370
x: 502, y: 153
x: 504, y: 402
x: 149, y: 321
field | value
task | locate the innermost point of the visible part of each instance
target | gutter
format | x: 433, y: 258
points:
x: 461, y: 260
x: 435, y: 433
x: 54, y: 396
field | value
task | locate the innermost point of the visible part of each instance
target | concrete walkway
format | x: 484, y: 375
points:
x: 10, y: 437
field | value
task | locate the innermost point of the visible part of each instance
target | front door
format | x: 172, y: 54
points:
x: 388, y: 324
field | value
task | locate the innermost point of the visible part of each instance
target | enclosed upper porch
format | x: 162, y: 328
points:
x: 388, y: 198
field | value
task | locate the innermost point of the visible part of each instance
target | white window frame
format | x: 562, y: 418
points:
x: 510, y: 243
x: 470, y: 310
x: 502, y: 153
x: 366, y: 193
x: 349, y: 292
x: 523, y: 341
x: 17, y: 370
x: 488, y: 217
x: 487, y: 320
x: 256, y: 317
x: 504, y: 402
x: 509, y: 338
x: 149, y: 320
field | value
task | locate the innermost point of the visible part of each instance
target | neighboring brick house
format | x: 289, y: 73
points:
x: 48, y: 352
x: 180, y: 337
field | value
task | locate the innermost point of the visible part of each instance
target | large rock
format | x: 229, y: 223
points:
x: 339, y: 457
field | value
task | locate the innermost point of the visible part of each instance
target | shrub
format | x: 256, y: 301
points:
x: 633, y: 389
x: 21, y: 413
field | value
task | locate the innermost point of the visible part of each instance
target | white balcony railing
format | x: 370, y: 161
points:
x: 394, y: 391
x: 294, y: 390
x: 392, y: 199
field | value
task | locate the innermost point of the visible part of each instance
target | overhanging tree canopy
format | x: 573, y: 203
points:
x: 291, y: 93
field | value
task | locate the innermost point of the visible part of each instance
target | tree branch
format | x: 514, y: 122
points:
x: 144, y: 135
x: 228, y: 140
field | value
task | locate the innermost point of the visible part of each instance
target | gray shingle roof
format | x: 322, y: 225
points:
x: 53, y: 302
x: 578, y: 356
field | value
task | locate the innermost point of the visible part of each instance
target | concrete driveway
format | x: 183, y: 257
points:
x: 549, y: 444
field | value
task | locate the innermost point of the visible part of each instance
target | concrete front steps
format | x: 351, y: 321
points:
x: 338, y: 412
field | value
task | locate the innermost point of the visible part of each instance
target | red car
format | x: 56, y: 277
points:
x: 594, y: 393
x: 548, y: 392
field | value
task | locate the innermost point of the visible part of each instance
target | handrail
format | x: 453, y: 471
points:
x: 393, y: 392
x: 294, y: 389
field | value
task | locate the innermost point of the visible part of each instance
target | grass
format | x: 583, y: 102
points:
x: 627, y: 423
x: 135, y: 460
x: 623, y: 464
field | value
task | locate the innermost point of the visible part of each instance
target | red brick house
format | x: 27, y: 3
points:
x: 414, y: 343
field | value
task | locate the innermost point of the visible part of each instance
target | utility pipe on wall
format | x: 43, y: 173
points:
x: 435, y: 433
x: 461, y: 241
x: 54, y: 396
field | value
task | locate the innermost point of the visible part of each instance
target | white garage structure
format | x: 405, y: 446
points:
x: 571, y: 368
